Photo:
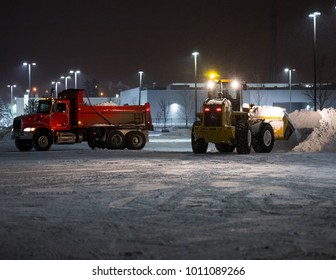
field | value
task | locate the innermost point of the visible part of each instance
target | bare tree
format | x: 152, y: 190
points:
x: 164, y: 107
x: 324, y: 97
x: 187, y: 103
x: 158, y: 117
x: 256, y: 99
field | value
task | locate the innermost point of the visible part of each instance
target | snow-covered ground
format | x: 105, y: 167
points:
x: 165, y: 202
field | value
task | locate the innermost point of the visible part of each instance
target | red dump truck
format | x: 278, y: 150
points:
x: 71, y: 118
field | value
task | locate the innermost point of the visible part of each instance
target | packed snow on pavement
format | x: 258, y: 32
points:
x: 165, y: 202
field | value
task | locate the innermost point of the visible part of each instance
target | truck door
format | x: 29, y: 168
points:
x: 60, y: 115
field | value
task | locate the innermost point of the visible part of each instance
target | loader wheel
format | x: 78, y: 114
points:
x: 42, y: 141
x: 199, y: 146
x: 135, y: 140
x: 243, y: 137
x: 263, y: 142
x: 23, y: 145
x: 224, y: 148
x: 115, y: 140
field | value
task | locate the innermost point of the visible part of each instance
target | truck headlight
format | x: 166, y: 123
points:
x: 29, y: 129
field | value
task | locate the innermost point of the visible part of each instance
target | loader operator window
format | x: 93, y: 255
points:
x: 44, y: 107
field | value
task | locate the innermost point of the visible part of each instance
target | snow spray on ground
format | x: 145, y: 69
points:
x: 323, y: 126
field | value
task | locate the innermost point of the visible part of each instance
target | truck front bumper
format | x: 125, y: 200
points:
x: 22, y: 135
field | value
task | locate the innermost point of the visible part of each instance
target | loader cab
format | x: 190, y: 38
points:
x: 228, y: 89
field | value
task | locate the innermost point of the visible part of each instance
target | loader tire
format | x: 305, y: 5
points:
x: 199, y: 145
x: 243, y: 137
x: 224, y: 148
x: 42, y: 141
x: 263, y: 141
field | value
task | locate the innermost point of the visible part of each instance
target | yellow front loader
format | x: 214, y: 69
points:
x: 224, y: 122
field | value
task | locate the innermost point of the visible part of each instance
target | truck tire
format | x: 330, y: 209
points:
x: 115, y: 140
x: 135, y: 140
x: 243, y: 137
x: 92, y: 143
x: 199, y: 145
x: 23, y: 145
x: 224, y: 148
x: 263, y: 141
x: 42, y: 141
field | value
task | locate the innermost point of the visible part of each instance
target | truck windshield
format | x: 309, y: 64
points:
x: 44, y: 107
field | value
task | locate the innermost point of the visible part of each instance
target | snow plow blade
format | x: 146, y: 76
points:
x: 277, y: 117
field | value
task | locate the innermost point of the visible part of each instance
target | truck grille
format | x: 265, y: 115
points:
x: 17, y: 124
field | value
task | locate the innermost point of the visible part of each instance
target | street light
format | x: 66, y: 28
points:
x: 65, y: 81
x: 195, y: 54
x: 29, y: 76
x: 76, y: 73
x: 314, y: 15
x: 290, y: 86
x: 140, y: 85
x: 56, y: 88
x: 12, y: 95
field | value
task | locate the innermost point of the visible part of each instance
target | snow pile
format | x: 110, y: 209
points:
x: 110, y: 103
x: 305, y: 119
x: 323, y: 136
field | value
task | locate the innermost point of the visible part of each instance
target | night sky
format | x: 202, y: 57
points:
x: 112, y: 40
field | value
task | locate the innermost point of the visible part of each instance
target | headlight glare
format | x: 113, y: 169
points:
x: 29, y: 129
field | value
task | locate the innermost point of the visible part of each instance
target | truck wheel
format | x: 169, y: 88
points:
x: 136, y: 140
x: 264, y: 140
x: 199, y: 146
x: 23, y: 145
x: 42, y: 141
x: 224, y: 148
x: 92, y: 143
x: 115, y: 140
x: 243, y: 137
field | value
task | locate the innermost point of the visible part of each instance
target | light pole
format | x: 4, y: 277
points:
x: 195, y: 54
x: 140, y: 85
x: 29, y: 76
x: 75, y: 73
x: 314, y: 15
x: 56, y: 88
x: 290, y: 86
x: 12, y: 95
x: 65, y: 81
